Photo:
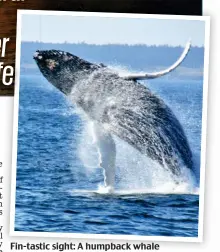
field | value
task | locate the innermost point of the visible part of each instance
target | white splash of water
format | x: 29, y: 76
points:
x: 105, y: 190
x: 135, y: 173
x: 123, y: 70
x: 87, y: 148
x: 138, y: 172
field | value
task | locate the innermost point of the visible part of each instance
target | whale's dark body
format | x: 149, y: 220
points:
x: 121, y: 106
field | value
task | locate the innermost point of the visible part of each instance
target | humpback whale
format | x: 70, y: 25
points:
x: 122, y: 107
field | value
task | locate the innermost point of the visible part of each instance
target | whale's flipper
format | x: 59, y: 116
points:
x: 136, y: 77
x: 107, y: 154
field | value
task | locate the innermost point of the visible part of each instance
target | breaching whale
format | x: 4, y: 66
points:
x: 120, y: 106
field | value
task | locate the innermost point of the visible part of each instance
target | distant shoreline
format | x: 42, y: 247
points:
x: 109, y: 44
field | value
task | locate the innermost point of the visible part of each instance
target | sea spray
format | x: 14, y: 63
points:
x: 135, y: 172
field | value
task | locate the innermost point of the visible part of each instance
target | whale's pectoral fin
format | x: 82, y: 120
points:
x: 107, y: 154
x: 154, y: 75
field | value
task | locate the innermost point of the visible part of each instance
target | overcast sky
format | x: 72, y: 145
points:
x: 104, y: 30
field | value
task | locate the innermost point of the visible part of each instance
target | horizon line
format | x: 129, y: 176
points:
x: 109, y: 44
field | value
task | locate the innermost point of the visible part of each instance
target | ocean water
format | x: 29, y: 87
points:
x: 60, y: 187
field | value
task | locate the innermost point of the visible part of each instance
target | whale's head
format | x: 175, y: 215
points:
x: 62, y: 69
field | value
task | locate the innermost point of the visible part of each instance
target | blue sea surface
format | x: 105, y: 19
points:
x: 55, y: 192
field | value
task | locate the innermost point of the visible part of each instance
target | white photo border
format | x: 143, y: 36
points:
x: 206, y: 19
